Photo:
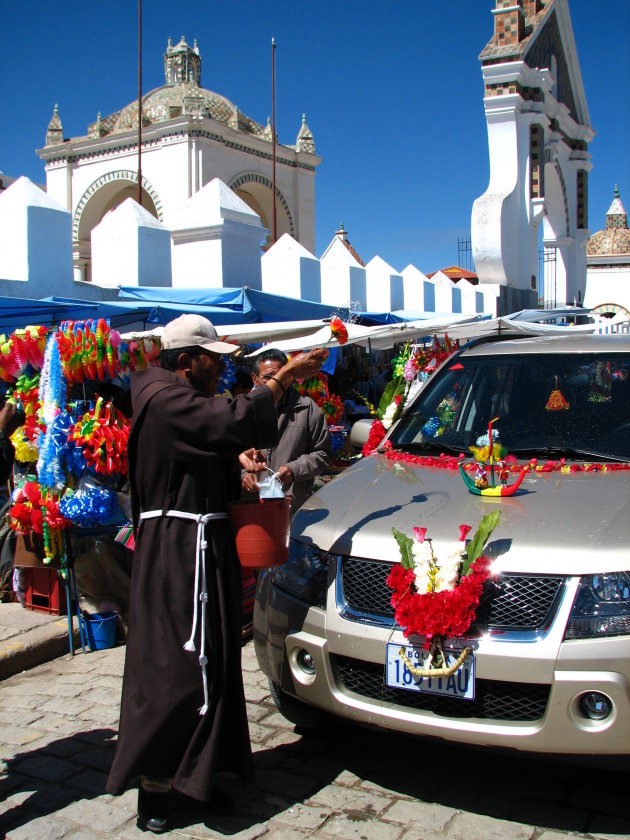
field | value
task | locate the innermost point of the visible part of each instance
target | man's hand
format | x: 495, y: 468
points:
x: 307, y: 364
x: 249, y: 483
x: 285, y: 474
x: 253, y: 460
x: 11, y: 418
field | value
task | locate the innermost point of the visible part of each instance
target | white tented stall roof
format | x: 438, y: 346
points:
x: 250, y: 333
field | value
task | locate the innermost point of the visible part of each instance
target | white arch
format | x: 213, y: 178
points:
x: 108, y: 178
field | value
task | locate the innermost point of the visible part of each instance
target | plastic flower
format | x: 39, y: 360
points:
x: 338, y: 330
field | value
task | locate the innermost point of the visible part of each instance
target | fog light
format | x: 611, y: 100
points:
x: 306, y: 662
x: 595, y: 706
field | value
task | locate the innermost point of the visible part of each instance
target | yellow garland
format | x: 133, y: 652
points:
x: 25, y: 450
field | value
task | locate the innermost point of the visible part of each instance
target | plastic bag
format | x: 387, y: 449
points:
x: 271, y: 487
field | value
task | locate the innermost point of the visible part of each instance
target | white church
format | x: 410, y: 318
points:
x: 207, y: 200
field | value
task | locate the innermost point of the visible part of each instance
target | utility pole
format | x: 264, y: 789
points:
x: 140, y: 102
x: 273, y: 140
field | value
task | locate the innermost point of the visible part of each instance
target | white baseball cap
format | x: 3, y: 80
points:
x: 194, y: 331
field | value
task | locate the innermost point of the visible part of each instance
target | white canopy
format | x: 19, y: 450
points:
x: 250, y: 333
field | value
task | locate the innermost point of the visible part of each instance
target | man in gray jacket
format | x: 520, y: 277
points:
x: 305, y: 446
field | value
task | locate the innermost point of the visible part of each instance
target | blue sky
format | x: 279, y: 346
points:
x: 392, y: 91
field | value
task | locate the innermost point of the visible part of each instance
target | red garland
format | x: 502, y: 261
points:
x: 452, y: 462
x: 448, y: 613
x: 377, y: 433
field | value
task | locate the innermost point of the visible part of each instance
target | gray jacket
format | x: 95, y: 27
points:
x: 305, y: 444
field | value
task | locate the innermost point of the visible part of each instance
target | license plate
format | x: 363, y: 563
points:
x: 461, y: 684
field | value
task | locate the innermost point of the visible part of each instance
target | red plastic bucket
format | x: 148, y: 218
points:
x: 261, y: 529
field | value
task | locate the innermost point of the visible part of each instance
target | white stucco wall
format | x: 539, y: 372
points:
x: 413, y: 283
x: 343, y: 278
x: 130, y: 247
x: 289, y: 269
x: 606, y: 286
x: 384, y: 287
x: 35, y: 241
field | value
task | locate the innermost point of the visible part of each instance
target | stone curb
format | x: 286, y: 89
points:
x: 36, y: 646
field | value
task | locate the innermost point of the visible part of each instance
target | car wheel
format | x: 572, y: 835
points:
x: 298, y: 712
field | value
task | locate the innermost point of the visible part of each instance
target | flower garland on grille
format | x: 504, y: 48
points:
x: 437, y: 598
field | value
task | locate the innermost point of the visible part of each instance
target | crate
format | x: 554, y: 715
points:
x: 45, y: 591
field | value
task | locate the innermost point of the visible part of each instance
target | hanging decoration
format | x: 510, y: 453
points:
x: 317, y: 389
x: 22, y: 351
x: 556, y: 401
x: 90, y: 506
x: 102, y: 434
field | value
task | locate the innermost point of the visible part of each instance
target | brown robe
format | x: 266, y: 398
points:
x: 182, y: 449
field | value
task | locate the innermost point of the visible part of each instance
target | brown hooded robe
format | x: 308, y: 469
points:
x: 182, y: 449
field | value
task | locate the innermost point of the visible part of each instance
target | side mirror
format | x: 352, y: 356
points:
x: 360, y: 432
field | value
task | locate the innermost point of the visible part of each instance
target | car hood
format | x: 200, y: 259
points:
x: 564, y: 523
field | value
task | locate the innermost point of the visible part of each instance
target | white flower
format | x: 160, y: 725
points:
x: 422, y: 552
x: 422, y: 580
x: 388, y: 417
x: 448, y: 569
x: 448, y: 574
x: 423, y: 559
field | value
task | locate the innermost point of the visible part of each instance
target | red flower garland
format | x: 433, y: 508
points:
x: 452, y: 462
x: 446, y: 613
x: 377, y: 433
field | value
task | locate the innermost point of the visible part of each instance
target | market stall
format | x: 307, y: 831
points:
x: 68, y: 500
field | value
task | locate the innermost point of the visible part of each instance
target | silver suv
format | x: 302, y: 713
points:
x: 550, y: 668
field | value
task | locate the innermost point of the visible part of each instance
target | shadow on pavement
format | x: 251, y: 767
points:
x: 568, y: 796
x: 48, y: 779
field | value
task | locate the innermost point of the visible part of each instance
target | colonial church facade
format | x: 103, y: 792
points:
x: 190, y: 136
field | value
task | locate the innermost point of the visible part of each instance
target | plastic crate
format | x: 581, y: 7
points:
x: 45, y: 591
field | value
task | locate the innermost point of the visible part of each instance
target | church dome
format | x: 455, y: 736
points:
x: 614, y: 240
x: 181, y: 95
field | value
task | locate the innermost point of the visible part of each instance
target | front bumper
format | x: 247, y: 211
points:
x: 284, y: 626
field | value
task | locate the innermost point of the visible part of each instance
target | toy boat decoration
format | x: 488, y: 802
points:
x: 489, y: 469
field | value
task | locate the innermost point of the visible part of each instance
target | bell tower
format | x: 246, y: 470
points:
x: 538, y: 135
x: 182, y: 63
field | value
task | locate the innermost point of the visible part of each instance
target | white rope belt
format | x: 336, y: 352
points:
x: 201, y: 592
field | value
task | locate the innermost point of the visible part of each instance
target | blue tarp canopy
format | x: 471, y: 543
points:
x: 147, y: 305
x: 253, y: 305
x: 19, y: 312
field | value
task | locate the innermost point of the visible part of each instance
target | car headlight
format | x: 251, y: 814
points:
x: 601, y: 607
x: 305, y: 574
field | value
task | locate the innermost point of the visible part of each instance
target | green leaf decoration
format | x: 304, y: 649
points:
x: 388, y: 395
x: 405, y: 544
x: 476, y: 546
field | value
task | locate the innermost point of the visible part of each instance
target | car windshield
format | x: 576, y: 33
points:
x: 555, y: 405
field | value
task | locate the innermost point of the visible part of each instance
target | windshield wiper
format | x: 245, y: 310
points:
x: 566, y: 452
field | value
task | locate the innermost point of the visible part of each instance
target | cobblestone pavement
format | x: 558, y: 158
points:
x: 58, y: 724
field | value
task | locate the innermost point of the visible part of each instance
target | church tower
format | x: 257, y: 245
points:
x: 538, y: 135
x: 182, y: 63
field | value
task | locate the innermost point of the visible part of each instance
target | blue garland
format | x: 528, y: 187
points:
x: 89, y: 508
x: 52, y: 393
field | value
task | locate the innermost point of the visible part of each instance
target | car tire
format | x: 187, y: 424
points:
x: 298, y: 712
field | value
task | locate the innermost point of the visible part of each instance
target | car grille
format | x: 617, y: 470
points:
x: 513, y: 602
x: 494, y: 699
